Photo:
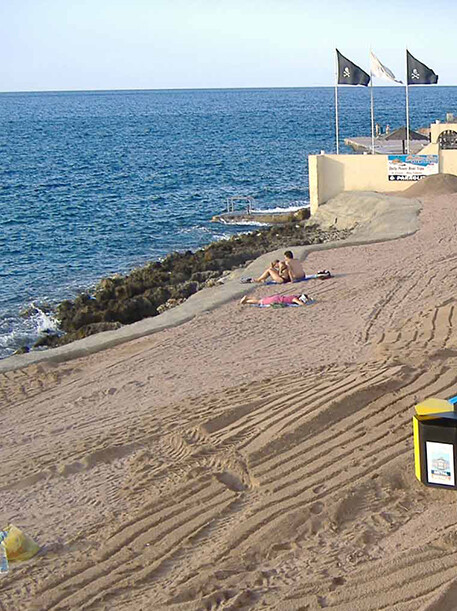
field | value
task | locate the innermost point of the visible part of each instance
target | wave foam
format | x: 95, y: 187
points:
x: 42, y: 321
x: 16, y: 332
x: 247, y: 223
x: 292, y: 207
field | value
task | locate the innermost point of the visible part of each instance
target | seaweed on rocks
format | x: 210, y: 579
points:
x: 159, y: 285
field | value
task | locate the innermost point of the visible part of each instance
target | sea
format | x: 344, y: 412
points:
x: 94, y: 183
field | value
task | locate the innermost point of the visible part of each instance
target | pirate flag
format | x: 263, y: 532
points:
x: 418, y: 73
x: 349, y: 73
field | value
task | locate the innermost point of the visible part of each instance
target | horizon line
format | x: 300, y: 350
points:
x: 22, y: 91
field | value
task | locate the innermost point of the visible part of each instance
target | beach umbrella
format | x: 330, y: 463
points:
x: 402, y: 134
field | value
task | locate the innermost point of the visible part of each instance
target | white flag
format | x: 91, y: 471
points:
x: 381, y: 71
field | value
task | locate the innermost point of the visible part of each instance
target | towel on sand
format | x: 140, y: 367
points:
x: 281, y: 305
x: 321, y: 275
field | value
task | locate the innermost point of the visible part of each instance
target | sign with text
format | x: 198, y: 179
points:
x: 411, y: 167
x: 440, y: 463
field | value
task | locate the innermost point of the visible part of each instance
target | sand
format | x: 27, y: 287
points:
x: 248, y: 458
x: 437, y: 184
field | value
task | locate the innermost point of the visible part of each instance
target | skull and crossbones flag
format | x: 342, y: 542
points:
x: 349, y: 73
x: 418, y: 73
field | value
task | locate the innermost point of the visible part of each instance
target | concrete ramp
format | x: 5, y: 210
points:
x: 372, y: 216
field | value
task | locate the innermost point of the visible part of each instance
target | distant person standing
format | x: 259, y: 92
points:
x: 387, y: 129
x: 377, y: 129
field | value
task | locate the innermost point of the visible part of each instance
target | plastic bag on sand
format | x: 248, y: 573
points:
x: 18, y: 545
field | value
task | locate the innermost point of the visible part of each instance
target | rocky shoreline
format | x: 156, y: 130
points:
x: 160, y: 285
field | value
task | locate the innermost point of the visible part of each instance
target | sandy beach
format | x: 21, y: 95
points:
x: 248, y: 458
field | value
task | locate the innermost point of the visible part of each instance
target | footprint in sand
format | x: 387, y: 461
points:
x: 317, y: 508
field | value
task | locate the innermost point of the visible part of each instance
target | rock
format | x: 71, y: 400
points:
x: 273, y: 218
x: 33, y: 309
x: 161, y: 285
x: 22, y: 350
x: 52, y: 341
x: 171, y: 303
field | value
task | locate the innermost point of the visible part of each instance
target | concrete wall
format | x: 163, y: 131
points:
x: 326, y: 178
x: 430, y: 149
x: 437, y: 128
x: 332, y: 174
x: 448, y: 162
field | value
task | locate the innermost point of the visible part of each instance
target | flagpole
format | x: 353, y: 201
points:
x: 336, y: 106
x: 372, y: 110
x: 407, y: 105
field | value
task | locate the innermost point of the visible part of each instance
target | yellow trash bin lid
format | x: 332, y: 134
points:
x: 433, y: 406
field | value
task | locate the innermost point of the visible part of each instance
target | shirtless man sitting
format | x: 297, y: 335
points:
x: 290, y: 270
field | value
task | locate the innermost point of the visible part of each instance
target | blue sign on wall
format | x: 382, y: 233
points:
x: 411, y: 167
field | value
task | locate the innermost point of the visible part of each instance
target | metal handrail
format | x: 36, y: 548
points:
x: 236, y: 199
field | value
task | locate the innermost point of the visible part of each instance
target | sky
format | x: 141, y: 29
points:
x: 53, y: 45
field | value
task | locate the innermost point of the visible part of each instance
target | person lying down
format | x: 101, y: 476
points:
x: 299, y: 300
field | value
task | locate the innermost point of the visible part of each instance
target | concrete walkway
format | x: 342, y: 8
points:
x: 382, y: 146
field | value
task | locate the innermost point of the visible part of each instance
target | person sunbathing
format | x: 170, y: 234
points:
x: 282, y: 299
x: 289, y: 270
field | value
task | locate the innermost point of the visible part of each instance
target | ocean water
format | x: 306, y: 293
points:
x: 96, y: 183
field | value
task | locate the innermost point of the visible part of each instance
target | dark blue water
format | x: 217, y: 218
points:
x: 93, y: 183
